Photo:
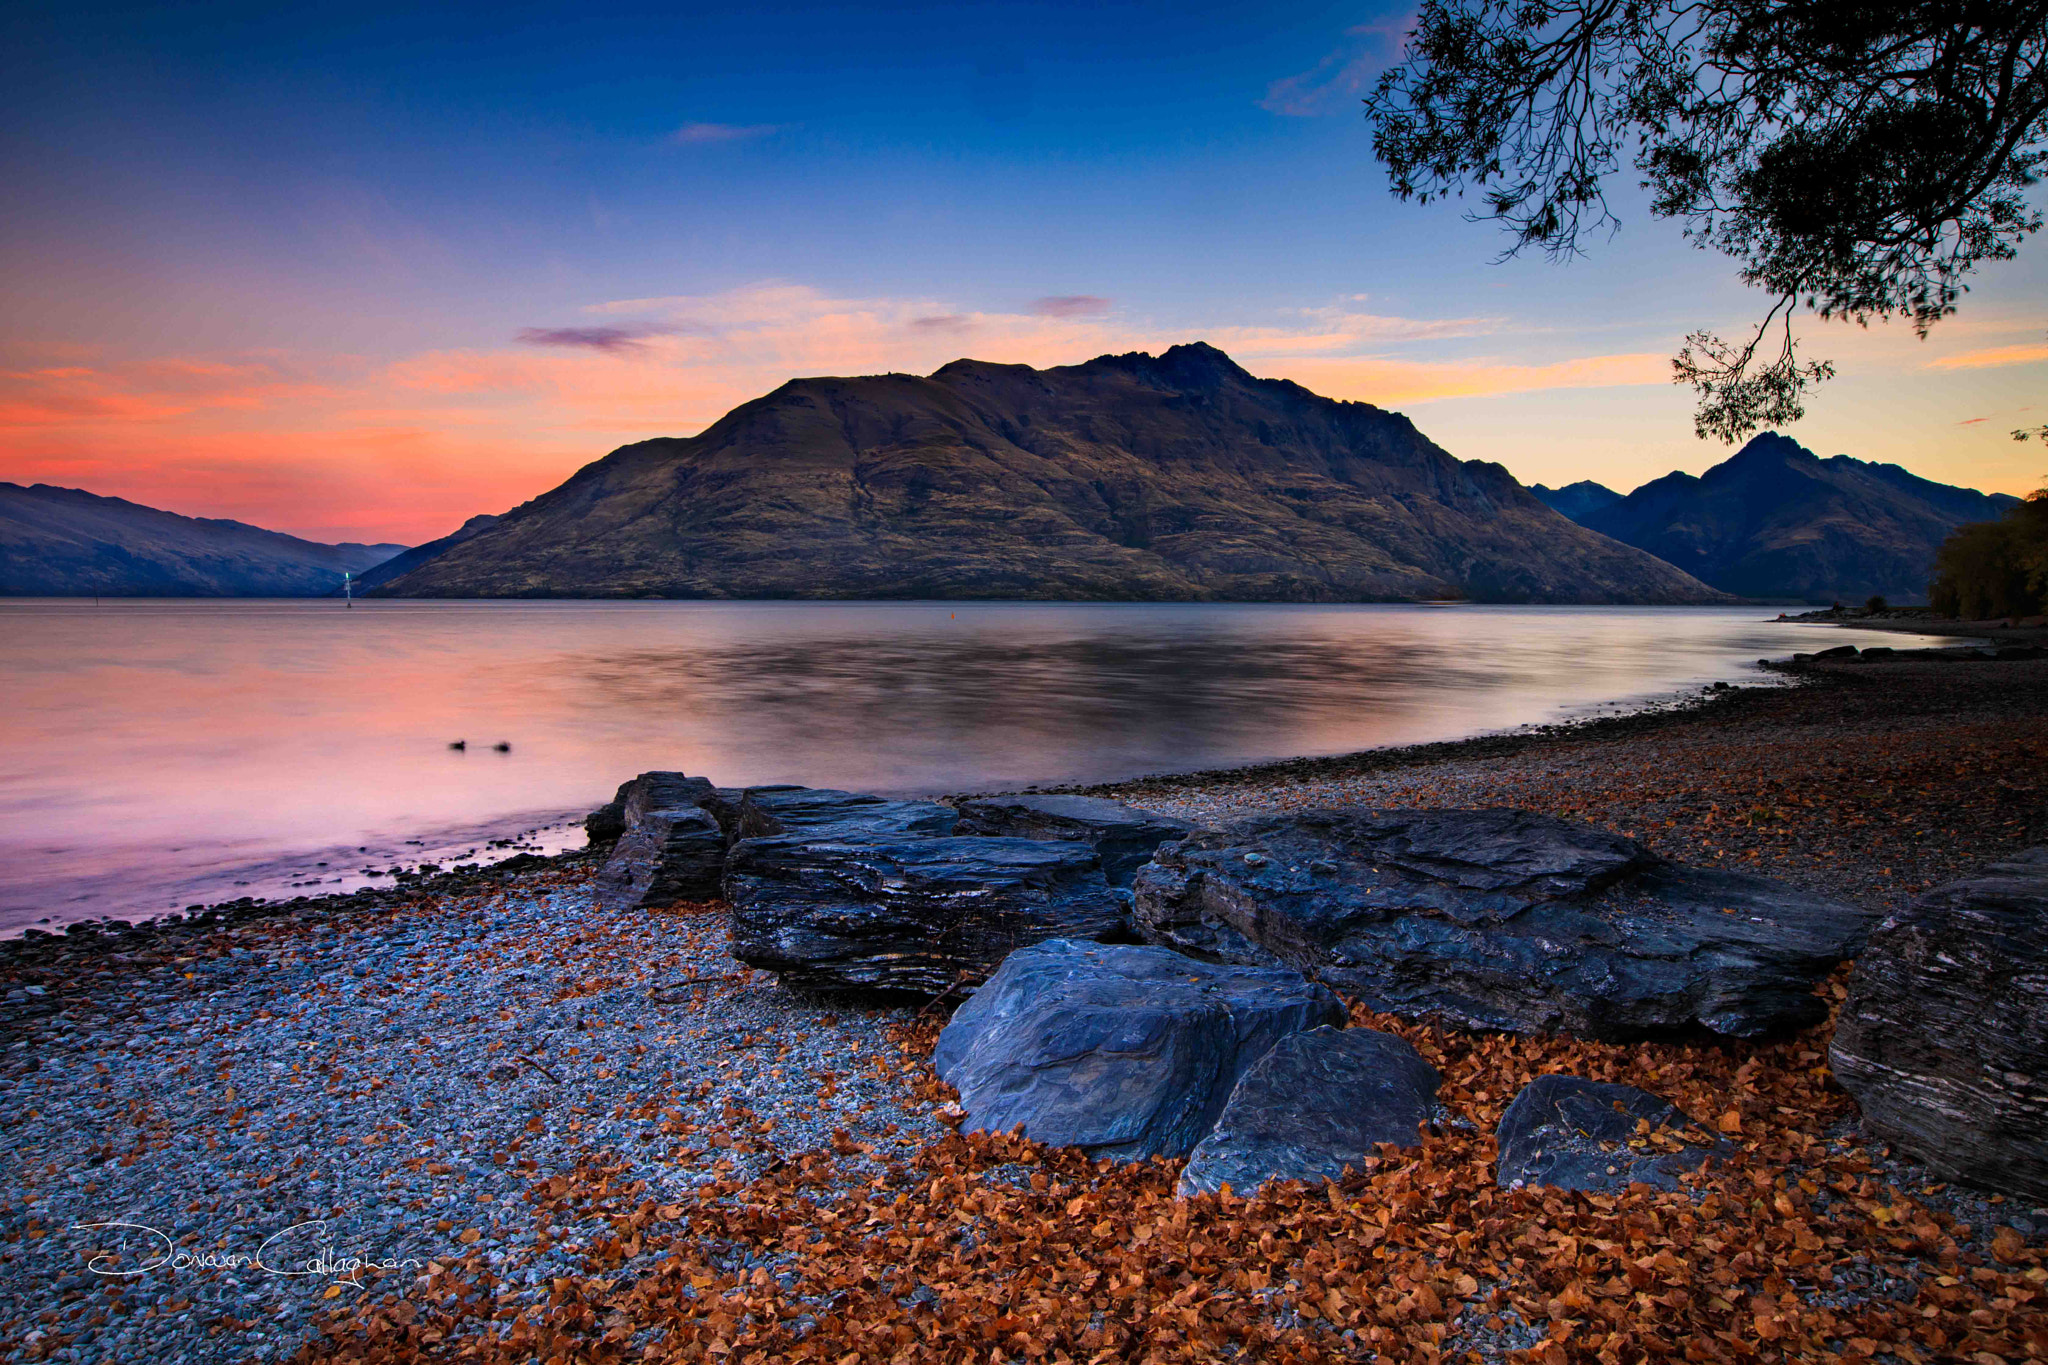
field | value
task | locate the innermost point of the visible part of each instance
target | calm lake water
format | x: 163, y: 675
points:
x: 155, y: 754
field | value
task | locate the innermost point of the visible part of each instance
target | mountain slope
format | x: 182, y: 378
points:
x: 1130, y: 477
x: 65, y: 542
x: 405, y: 563
x: 1775, y: 520
x: 1576, y: 500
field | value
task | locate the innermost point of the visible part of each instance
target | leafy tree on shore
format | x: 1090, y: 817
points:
x: 1858, y: 158
x: 1995, y: 568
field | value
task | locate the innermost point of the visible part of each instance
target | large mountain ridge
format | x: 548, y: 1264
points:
x: 66, y: 542
x: 1128, y: 477
x: 1776, y: 521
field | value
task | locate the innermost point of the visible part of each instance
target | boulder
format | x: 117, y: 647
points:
x: 839, y: 907
x: 671, y: 849
x: 1122, y: 836
x: 1943, y: 1039
x: 1500, y: 919
x: 1122, y: 1050
x: 1316, y: 1103
x: 1586, y: 1135
x: 605, y: 824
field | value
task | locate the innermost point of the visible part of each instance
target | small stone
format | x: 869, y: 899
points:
x: 1318, y: 1102
x: 1573, y: 1133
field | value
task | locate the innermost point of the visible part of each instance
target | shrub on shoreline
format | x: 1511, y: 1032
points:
x: 1995, y: 568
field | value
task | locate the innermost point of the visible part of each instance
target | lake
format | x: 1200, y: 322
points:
x: 155, y: 754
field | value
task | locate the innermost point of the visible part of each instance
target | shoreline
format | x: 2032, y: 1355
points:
x: 1647, y: 716
x: 524, y: 1109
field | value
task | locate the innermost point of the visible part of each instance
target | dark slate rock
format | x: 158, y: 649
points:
x: 1500, y: 919
x: 605, y: 824
x: 823, y: 813
x: 671, y: 850
x: 1122, y: 836
x: 1943, y: 1039
x: 1122, y: 1050
x: 1316, y: 1103
x: 835, y: 907
x: 1575, y: 1134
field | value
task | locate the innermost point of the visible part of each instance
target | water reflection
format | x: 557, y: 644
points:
x: 160, y: 753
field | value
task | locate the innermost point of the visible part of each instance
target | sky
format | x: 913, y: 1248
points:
x: 361, y: 272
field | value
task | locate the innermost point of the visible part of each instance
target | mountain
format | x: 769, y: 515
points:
x: 1131, y: 477
x: 1576, y: 500
x: 1775, y: 520
x: 65, y: 542
x: 405, y: 563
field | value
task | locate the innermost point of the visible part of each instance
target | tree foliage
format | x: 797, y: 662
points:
x: 1858, y: 158
x: 1995, y: 568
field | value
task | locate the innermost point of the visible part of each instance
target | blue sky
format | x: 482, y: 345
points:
x: 276, y: 262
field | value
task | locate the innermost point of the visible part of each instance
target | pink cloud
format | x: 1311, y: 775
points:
x: 1992, y: 356
x: 1071, y: 306
x: 612, y: 339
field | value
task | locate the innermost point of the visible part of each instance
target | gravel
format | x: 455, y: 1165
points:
x: 385, y: 1087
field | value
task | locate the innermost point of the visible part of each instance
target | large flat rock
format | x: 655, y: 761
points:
x: 1500, y: 919
x: 1122, y: 1050
x: 1943, y: 1039
x: 1122, y: 836
x: 845, y: 907
x: 1316, y: 1103
x: 1592, y: 1136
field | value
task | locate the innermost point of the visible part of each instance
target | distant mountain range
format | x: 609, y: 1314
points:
x: 1776, y: 521
x: 63, y: 542
x: 1176, y: 477
x: 1576, y: 500
x: 401, y: 564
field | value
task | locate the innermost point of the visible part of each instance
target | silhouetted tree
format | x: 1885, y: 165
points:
x: 1857, y: 157
x: 1995, y: 568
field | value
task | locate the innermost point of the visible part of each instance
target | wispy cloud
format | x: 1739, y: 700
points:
x: 696, y: 134
x: 1972, y: 421
x: 1341, y: 78
x: 943, y: 322
x: 1071, y: 306
x: 1992, y: 356
x: 610, y: 339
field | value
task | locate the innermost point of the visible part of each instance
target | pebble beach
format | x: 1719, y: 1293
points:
x: 478, y: 1118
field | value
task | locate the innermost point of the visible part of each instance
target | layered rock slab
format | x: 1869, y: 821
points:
x: 1500, y: 919
x: 1316, y: 1103
x: 1122, y: 1050
x: 1578, y: 1134
x: 926, y: 915
x: 1943, y: 1038
x: 1124, y: 837
x: 668, y: 848
x: 826, y: 814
